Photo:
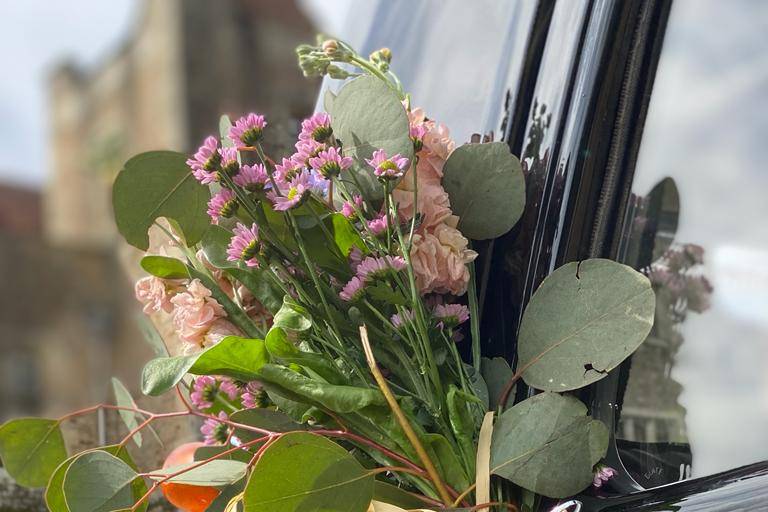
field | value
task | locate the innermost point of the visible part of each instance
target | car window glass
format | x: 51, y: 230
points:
x: 695, y: 396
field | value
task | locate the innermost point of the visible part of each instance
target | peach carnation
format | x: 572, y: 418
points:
x: 152, y: 293
x: 194, y: 312
x: 440, y: 260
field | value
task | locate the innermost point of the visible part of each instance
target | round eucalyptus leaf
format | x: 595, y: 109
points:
x: 487, y: 190
x: 303, y: 472
x: 97, y: 481
x: 159, y: 184
x: 216, y: 473
x: 31, y: 449
x: 366, y: 116
x: 547, y: 444
x: 583, y: 321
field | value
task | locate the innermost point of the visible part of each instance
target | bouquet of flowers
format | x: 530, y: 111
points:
x: 321, y: 299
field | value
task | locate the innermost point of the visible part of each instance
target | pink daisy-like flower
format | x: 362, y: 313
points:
x: 417, y: 133
x: 244, y: 245
x: 251, y: 177
x: 254, y: 397
x: 388, y: 168
x: 297, y: 190
x: 247, y: 130
x: 223, y: 204
x: 348, y: 209
x: 330, y: 162
x: 371, y: 268
x: 378, y: 225
x: 205, y: 389
x: 317, y: 127
x: 398, y: 320
x: 206, y: 161
x: 353, y: 290
x: 602, y: 475
x: 451, y: 315
x: 305, y: 150
x: 355, y: 257
x: 215, y: 432
x: 286, y: 171
x: 229, y: 164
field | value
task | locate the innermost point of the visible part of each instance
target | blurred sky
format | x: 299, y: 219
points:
x: 39, y: 33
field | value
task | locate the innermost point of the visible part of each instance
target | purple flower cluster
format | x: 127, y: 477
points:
x: 367, y: 271
x: 206, y: 388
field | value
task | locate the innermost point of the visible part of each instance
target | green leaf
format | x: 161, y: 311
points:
x: 164, y: 267
x: 303, y: 472
x: 159, y: 184
x: 479, y: 387
x: 257, y: 282
x: 280, y: 348
x: 449, y: 465
x: 328, y: 99
x: 267, y: 419
x: 97, y: 481
x: 462, y: 424
x: 487, y: 189
x: 548, y: 444
x: 239, y: 358
x: 226, y: 495
x: 366, y: 116
x: 151, y: 335
x: 216, y: 473
x: 206, y: 452
x: 496, y: 373
x: 123, y: 398
x: 388, y: 493
x: 292, y: 317
x: 54, y: 493
x: 214, y: 243
x: 583, y: 321
x: 224, y: 125
x: 31, y: 449
x: 344, y: 233
x: 383, y: 292
x: 341, y: 399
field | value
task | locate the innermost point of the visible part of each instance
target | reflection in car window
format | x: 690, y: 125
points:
x: 695, y: 396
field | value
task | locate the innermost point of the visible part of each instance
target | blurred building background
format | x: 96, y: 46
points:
x: 67, y: 317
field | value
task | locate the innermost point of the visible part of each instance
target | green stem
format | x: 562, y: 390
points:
x: 474, y: 318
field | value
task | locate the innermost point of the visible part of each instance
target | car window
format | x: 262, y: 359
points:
x: 458, y: 59
x: 695, y: 396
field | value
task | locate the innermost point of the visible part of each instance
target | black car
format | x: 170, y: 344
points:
x: 642, y: 130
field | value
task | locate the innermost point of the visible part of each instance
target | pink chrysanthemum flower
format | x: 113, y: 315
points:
x: 372, y: 268
x: 378, y: 225
x: 223, y: 204
x: 388, y: 168
x: 398, y: 319
x: 305, y: 150
x: 205, y: 389
x: 317, y: 127
x: 451, y: 315
x: 602, y: 475
x: 254, y: 396
x: 247, y: 130
x: 229, y: 164
x: 417, y: 133
x: 244, y: 245
x: 206, y: 161
x: 286, y: 171
x: 353, y: 290
x: 355, y: 257
x: 348, y: 209
x: 251, y: 177
x: 297, y: 190
x: 215, y: 432
x: 330, y: 163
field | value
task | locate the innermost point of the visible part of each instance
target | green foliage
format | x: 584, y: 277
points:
x: 280, y: 348
x: 31, y: 449
x: 131, y: 419
x: 303, y: 472
x: 447, y: 461
x: 388, y: 493
x: 462, y: 424
x: 366, y: 116
x: 496, y: 373
x: 216, y: 473
x: 267, y: 419
x: 292, y: 317
x: 207, y: 452
x: 487, y: 189
x: 583, y: 321
x: 164, y: 267
x: 343, y: 399
x: 159, y: 184
x: 97, y: 481
x: 548, y: 444
x: 54, y: 493
x: 239, y: 358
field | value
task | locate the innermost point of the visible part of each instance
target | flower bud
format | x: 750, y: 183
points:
x: 330, y: 47
x: 338, y: 73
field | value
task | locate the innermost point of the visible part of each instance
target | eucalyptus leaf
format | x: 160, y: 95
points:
x: 151, y: 335
x: 343, y: 399
x: 97, y: 481
x: 267, y: 419
x: 123, y: 398
x: 394, y: 495
x: 31, y: 449
x: 224, y: 125
x: 54, y: 492
x: 206, y: 452
x: 159, y: 184
x: 583, y: 321
x: 367, y: 115
x: 496, y: 373
x: 164, y: 267
x: 486, y: 187
x: 239, y: 358
x: 216, y: 473
x: 328, y: 99
x: 214, y: 243
x: 303, y: 472
x: 547, y: 444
